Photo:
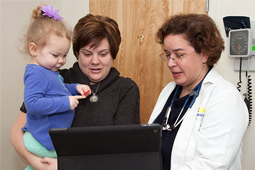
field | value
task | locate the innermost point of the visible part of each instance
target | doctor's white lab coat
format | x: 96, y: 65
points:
x: 210, y: 136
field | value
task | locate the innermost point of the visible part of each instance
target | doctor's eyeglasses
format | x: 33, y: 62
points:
x: 166, y: 57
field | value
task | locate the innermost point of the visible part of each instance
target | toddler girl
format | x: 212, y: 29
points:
x: 50, y: 103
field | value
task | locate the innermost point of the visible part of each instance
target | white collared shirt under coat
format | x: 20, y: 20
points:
x: 212, y: 138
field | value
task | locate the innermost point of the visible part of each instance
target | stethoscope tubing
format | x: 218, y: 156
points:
x: 194, y: 93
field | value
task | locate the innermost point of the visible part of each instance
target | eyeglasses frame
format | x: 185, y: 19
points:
x: 164, y: 55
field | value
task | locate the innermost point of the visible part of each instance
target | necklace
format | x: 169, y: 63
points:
x: 94, y: 97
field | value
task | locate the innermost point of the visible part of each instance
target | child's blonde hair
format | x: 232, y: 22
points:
x: 41, y: 27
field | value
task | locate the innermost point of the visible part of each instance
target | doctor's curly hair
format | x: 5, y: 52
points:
x: 199, y: 30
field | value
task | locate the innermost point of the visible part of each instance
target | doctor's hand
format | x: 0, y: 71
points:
x: 52, y: 164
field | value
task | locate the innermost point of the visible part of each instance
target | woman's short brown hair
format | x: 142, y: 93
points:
x: 199, y: 30
x: 93, y: 29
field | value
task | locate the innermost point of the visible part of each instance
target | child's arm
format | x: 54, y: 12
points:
x: 36, y: 99
x: 74, y: 101
x: 84, y: 90
x: 81, y: 89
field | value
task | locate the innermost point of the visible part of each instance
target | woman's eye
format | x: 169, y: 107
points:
x: 104, y: 54
x: 87, y: 54
x: 179, y: 56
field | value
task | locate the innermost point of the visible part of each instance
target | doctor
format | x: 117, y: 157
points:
x: 203, y: 116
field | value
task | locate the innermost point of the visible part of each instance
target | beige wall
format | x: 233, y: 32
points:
x: 14, y: 17
x: 218, y: 10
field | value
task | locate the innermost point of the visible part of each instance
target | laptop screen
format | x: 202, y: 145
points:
x: 120, y: 147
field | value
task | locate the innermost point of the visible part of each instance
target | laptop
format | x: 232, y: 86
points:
x: 119, y: 147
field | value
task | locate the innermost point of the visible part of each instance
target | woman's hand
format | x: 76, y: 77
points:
x: 16, y: 139
x: 51, y: 163
x: 36, y: 163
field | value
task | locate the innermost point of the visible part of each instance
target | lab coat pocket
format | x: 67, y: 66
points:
x: 191, y: 148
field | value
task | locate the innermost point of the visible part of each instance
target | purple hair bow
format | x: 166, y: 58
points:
x: 51, y: 12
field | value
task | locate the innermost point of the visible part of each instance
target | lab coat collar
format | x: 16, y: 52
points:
x: 212, y: 76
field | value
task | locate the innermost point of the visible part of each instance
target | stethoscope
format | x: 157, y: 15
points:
x: 193, y: 94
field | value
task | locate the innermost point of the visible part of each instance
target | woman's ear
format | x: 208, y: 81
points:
x: 32, y: 49
x: 205, y: 57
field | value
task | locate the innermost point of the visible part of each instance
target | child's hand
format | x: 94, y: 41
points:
x: 74, y: 101
x: 84, y: 90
